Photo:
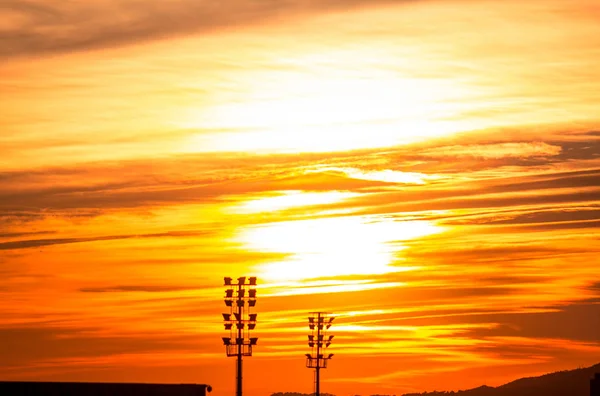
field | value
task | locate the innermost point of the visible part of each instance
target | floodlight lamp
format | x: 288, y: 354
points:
x: 229, y: 293
x: 241, y: 293
x: 320, y: 337
x: 227, y: 281
x: 331, y: 319
x: 252, y: 293
x: 320, y: 356
x: 320, y: 327
x: 327, y: 344
x: 238, y: 317
x: 240, y: 303
x: 328, y: 326
x: 228, y: 326
x: 311, y: 344
x: 252, y: 317
x: 330, y: 356
x: 229, y: 303
x: 311, y: 320
x: 239, y: 341
x: 320, y: 344
x: 226, y: 341
x: 226, y: 317
x: 311, y: 326
x: 253, y: 340
x: 242, y: 280
x: 308, y: 356
x: 321, y: 319
x: 311, y: 337
x: 240, y: 325
x: 251, y: 303
x: 331, y: 338
x: 252, y: 281
x: 252, y: 326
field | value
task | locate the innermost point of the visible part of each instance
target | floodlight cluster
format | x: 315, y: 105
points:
x: 240, y: 297
x: 318, y: 340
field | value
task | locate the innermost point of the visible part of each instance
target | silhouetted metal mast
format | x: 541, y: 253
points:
x: 239, y: 343
x: 318, y: 340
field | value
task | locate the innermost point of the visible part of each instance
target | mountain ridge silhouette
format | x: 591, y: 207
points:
x: 560, y: 383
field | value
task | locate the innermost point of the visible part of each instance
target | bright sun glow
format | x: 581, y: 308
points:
x: 357, y: 245
x: 327, y: 110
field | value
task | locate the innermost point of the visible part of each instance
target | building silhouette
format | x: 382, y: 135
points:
x: 100, y: 389
x: 595, y: 385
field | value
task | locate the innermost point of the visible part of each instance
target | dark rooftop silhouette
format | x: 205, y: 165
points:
x: 595, y: 385
x: 100, y: 389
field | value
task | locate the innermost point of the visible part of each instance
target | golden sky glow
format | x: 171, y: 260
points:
x: 428, y: 170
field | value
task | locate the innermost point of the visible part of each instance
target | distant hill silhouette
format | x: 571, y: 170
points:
x: 562, y: 383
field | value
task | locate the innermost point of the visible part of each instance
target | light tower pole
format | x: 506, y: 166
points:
x: 318, y: 342
x: 239, y: 343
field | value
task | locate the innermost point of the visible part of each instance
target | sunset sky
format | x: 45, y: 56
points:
x: 427, y: 170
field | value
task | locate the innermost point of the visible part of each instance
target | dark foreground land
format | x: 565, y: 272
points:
x: 562, y: 383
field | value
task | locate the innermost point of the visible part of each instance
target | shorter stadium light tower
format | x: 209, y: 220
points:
x: 240, y: 297
x: 319, y: 342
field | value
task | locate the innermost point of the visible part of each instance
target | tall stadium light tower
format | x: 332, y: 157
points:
x: 319, y: 342
x: 240, y: 297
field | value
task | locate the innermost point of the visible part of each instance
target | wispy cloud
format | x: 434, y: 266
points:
x: 36, y: 243
x: 497, y: 150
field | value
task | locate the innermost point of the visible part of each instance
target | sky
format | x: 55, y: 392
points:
x: 426, y: 170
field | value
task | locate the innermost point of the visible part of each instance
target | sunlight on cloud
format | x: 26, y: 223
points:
x: 291, y: 199
x: 290, y: 289
x: 498, y: 150
x: 386, y: 175
x: 333, y: 246
x: 321, y: 138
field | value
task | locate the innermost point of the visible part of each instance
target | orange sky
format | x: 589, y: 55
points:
x: 427, y: 170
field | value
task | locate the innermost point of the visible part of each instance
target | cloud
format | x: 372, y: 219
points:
x: 543, y: 189
x: 28, y: 345
x: 495, y: 150
x: 577, y: 321
x: 495, y: 253
x: 22, y: 234
x: 587, y: 148
x: 88, y: 191
x: 386, y: 175
x: 137, y: 186
x: 33, y: 27
x: 136, y: 288
x: 36, y: 243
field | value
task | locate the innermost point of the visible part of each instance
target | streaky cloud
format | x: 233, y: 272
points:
x: 36, y: 243
x: 86, y: 25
